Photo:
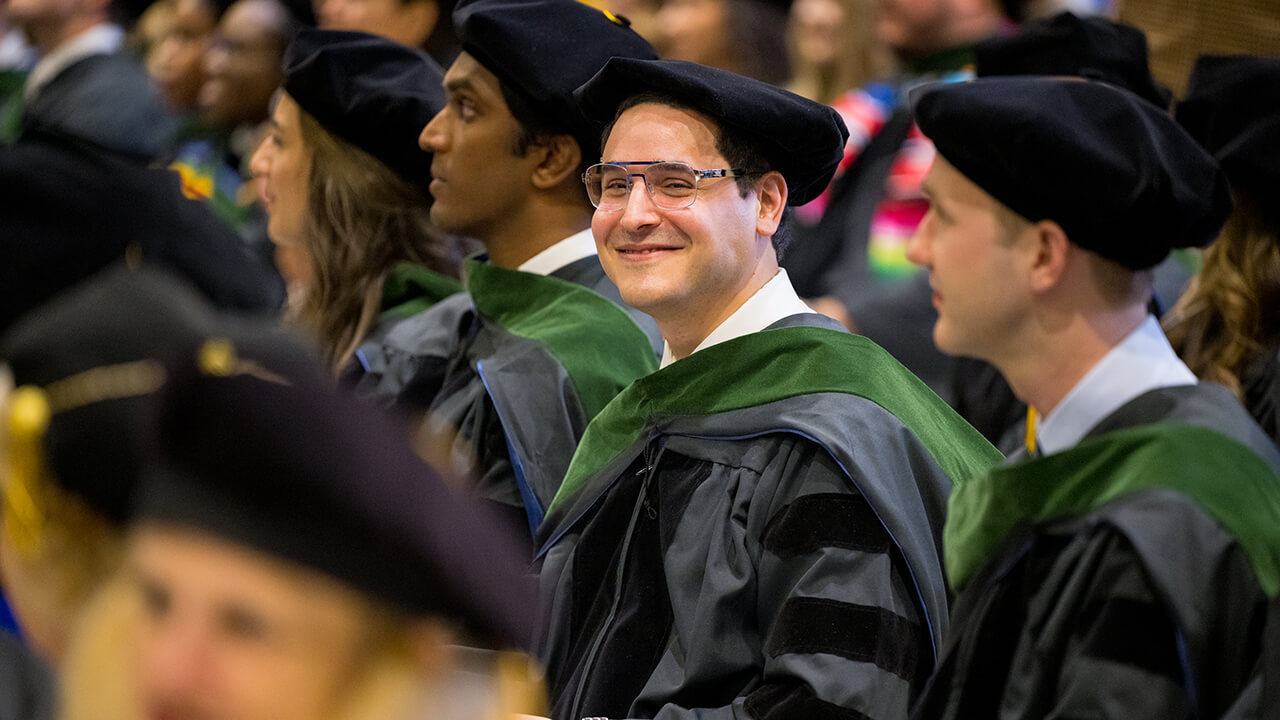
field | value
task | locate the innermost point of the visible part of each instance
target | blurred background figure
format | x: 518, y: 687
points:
x: 345, y: 186
x: 242, y: 69
x: 422, y: 24
x: 70, y: 210
x: 17, y: 57
x: 833, y: 48
x: 1226, y: 326
x: 84, y: 86
x: 849, y: 257
x: 743, y: 36
x: 292, y: 559
x: 85, y: 369
x: 177, y: 62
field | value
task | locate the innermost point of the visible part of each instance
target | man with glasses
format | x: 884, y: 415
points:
x: 755, y: 528
x: 519, y: 364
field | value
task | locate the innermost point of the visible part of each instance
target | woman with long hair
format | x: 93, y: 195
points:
x: 345, y: 184
x: 1226, y: 326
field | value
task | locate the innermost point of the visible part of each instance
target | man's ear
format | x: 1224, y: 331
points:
x: 1049, y: 254
x: 771, y: 197
x: 559, y: 160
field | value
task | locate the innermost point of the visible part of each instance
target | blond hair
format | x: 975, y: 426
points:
x: 60, y: 548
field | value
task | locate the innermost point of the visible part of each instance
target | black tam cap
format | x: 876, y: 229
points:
x: 801, y: 139
x: 374, y: 93
x: 294, y: 469
x: 1116, y: 172
x: 1065, y: 44
x: 545, y: 49
x: 1232, y: 107
x: 97, y: 355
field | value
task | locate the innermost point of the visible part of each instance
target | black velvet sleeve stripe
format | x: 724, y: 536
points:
x: 795, y: 700
x: 857, y: 632
x: 812, y: 522
x: 1134, y: 633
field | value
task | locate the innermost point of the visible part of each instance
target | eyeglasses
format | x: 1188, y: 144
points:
x: 672, y: 185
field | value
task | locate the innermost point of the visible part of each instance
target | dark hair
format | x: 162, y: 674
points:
x: 736, y: 147
x: 537, y: 127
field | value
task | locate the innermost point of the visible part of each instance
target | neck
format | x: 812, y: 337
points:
x: 522, y: 235
x: 685, y: 328
x: 1064, y: 348
x: 47, y: 38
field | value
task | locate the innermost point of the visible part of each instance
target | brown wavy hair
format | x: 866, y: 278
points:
x: 1228, y: 315
x: 362, y: 219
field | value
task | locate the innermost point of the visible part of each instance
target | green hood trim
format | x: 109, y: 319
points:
x: 769, y: 366
x: 600, y: 346
x: 409, y: 289
x: 1222, y: 476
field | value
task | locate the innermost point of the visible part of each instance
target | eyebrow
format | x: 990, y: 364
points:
x: 459, y: 84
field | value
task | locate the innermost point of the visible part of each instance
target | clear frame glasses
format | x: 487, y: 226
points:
x: 671, y: 184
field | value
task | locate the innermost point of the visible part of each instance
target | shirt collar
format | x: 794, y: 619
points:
x: 775, y: 300
x: 1142, y: 362
x: 571, y: 249
x: 98, y: 40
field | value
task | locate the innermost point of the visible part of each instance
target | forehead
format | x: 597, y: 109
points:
x: 466, y: 73
x: 253, y: 19
x: 193, y: 12
x: 652, y: 131
x: 945, y: 183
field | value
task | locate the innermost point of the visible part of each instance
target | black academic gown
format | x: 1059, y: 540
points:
x: 1126, y: 577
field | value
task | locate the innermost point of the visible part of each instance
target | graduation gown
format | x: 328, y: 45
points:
x: 517, y: 365
x: 754, y: 531
x: 1124, y: 577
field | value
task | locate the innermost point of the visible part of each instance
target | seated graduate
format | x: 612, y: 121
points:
x: 291, y: 558
x: 510, y: 373
x: 1118, y: 565
x: 754, y: 529
x: 1227, y: 325
x: 86, y: 371
x: 344, y: 184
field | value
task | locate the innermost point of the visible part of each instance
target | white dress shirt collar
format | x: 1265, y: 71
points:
x: 775, y: 300
x: 571, y: 249
x: 98, y: 40
x: 1142, y: 362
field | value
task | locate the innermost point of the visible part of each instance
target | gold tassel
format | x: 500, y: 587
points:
x: 25, y: 423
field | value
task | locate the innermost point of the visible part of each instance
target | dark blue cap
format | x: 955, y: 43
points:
x: 545, y: 49
x: 1089, y: 47
x: 291, y: 467
x: 98, y: 353
x: 1232, y: 107
x: 1116, y: 172
x: 801, y: 139
x: 374, y: 93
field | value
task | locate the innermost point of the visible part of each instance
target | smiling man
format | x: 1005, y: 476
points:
x: 538, y: 345
x: 1118, y: 567
x: 751, y: 531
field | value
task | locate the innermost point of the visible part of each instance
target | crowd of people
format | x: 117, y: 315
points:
x: 684, y: 359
